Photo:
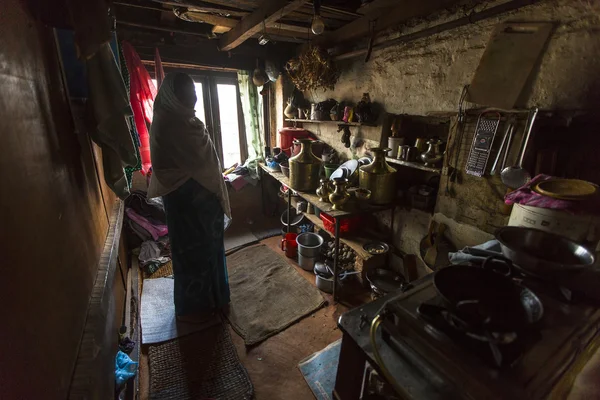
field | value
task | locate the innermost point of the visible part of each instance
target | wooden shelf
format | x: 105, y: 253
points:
x: 325, y: 207
x: 311, y: 121
x: 354, y: 242
x: 413, y: 164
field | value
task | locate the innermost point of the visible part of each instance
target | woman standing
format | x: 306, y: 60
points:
x: 187, y: 174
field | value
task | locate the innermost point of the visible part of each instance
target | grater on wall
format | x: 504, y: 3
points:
x: 485, y: 132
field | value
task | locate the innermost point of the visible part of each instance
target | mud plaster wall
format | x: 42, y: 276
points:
x: 427, y: 76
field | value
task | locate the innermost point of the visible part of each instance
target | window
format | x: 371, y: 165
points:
x: 218, y: 106
x: 199, y: 107
x: 230, y: 131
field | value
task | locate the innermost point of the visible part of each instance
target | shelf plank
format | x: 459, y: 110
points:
x: 310, y: 121
x: 324, y: 207
x: 413, y: 164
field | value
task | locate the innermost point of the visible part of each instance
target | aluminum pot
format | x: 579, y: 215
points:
x: 304, y: 168
x: 309, y: 244
x: 324, y: 284
x: 306, y: 263
x: 379, y: 178
x: 542, y: 253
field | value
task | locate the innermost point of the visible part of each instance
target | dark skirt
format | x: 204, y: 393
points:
x: 195, y: 221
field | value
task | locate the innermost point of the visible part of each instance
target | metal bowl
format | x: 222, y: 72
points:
x: 376, y: 248
x: 543, y: 253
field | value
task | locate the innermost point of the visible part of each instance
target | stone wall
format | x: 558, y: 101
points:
x: 426, y: 77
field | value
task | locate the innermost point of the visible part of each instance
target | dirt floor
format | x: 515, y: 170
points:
x: 273, y: 364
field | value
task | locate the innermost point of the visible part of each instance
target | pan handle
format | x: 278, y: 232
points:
x: 505, y: 268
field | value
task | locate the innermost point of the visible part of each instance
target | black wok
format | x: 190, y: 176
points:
x: 487, y: 298
x: 543, y: 254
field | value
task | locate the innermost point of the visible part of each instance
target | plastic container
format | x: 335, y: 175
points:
x: 574, y: 227
x: 348, y: 225
x: 289, y: 245
x: 287, y: 136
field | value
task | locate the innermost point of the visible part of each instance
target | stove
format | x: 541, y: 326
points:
x: 471, y: 363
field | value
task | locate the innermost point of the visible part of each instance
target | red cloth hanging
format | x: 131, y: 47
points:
x: 159, y: 72
x: 142, y: 93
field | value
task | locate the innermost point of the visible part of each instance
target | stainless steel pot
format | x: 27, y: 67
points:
x: 306, y: 263
x: 324, y: 284
x: 542, y: 253
x: 309, y: 244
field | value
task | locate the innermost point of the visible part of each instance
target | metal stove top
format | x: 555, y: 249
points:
x: 534, y: 363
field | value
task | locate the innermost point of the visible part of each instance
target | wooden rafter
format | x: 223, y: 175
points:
x: 381, y: 18
x: 197, y: 16
x: 269, y: 12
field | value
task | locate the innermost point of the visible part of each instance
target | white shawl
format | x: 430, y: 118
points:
x: 181, y: 149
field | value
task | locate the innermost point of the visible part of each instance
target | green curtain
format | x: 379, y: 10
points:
x: 253, y: 119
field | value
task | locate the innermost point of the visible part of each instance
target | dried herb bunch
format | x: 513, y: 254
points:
x: 313, y: 69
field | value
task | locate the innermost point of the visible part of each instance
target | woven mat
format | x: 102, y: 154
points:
x: 203, y: 365
x: 164, y: 271
x: 237, y: 236
x: 267, y: 294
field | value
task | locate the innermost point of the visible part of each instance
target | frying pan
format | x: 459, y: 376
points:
x: 543, y: 254
x: 487, y: 297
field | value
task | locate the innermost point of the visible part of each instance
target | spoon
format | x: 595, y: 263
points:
x: 516, y: 176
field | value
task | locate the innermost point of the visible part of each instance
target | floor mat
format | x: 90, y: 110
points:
x: 203, y: 365
x: 320, y: 369
x: 267, y: 294
x: 237, y: 236
x: 266, y: 227
x: 157, y: 313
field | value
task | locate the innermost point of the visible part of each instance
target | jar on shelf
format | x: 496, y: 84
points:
x: 340, y: 195
x: 379, y: 178
x: 304, y: 168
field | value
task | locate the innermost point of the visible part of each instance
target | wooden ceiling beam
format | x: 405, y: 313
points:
x: 269, y: 12
x: 207, y: 7
x: 162, y: 28
x: 383, y: 18
x: 194, y: 16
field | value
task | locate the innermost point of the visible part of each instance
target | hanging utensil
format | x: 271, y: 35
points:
x: 485, y: 132
x: 516, y: 176
x: 507, y: 132
x: 508, y: 144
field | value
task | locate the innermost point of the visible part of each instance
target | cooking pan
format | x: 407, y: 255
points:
x: 543, y: 254
x: 487, y: 298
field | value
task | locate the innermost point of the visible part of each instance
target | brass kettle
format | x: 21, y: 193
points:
x: 379, y: 178
x: 324, y: 190
x: 340, y: 195
x: 304, y: 168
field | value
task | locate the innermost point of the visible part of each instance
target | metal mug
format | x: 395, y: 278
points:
x: 421, y: 144
x: 412, y: 154
x: 403, y: 152
x: 408, y: 153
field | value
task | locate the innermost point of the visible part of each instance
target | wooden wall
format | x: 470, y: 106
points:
x: 54, y: 215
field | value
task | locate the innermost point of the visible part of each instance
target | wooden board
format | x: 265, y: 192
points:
x: 507, y: 63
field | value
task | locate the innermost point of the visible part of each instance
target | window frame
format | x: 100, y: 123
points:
x: 209, y: 81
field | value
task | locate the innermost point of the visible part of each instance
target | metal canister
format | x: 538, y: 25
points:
x: 379, y: 178
x: 304, y: 168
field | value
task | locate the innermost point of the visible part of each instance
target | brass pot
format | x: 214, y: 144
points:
x: 324, y: 190
x: 304, y: 168
x: 379, y: 178
x: 340, y: 195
